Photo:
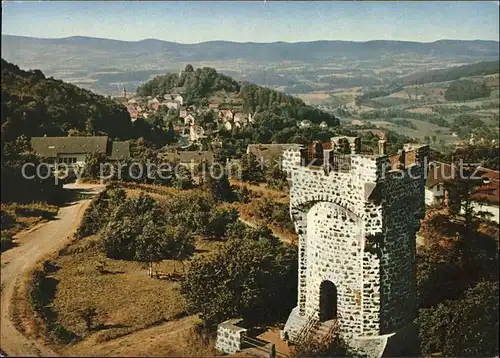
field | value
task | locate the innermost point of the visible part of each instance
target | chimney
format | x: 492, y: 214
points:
x: 382, y: 147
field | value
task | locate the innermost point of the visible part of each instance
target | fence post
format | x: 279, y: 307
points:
x: 272, y: 351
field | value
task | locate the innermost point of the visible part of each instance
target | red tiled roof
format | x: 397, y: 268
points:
x: 439, y: 173
x: 490, y: 191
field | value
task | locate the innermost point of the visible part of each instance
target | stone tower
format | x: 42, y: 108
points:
x: 356, y: 216
x: 124, y: 93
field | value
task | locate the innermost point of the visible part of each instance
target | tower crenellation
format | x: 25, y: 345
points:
x: 356, y: 216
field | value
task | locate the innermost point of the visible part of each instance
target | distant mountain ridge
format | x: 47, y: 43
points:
x: 106, y: 66
x: 225, y: 50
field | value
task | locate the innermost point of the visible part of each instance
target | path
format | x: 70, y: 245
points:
x: 255, y: 226
x: 34, y: 245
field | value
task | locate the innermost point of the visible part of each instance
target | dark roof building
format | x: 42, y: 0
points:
x: 268, y: 151
x: 51, y: 147
x: 189, y: 156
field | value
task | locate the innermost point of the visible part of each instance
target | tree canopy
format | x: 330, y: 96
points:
x: 34, y: 105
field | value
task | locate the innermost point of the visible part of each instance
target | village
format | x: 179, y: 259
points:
x: 187, y: 125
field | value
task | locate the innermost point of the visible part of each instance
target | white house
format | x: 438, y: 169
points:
x: 73, y: 150
x: 305, y: 123
x: 240, y: 119
x: 153, y: 101
x: 178, y: 98
x: 323, y: 125
x: 226, y: 115
x: 189, y: 119
x: 196, y: 132
x: 486, y: 198
x: 171, y: 104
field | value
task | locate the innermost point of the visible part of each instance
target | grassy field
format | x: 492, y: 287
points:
x: 17, y: 217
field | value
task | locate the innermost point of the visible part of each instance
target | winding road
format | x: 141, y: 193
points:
x: 32, y: 246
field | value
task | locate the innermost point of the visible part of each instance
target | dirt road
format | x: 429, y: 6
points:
x: 32, y: 246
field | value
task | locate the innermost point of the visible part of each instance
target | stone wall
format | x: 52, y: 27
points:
x: 357, y: 230
x: 229, y: 336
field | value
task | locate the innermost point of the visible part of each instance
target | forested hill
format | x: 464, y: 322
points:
x: 34, y: 105
x: 198, y: 86
x: 452, y: 74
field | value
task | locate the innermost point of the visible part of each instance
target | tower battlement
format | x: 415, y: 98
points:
x: 356, y: 216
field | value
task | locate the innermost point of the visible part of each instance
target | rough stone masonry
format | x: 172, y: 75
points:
x: 356, y: 216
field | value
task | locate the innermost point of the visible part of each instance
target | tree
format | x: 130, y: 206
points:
x: 150, y: 245
x: 183, y: 178
x: 179, y: 243
x: 461, y: 189
x: 217, y: 181
x: 467, y: 327
x: 219, y: 220
x: 251, y: 169
x: 253, y: 279
x: 93, y: 162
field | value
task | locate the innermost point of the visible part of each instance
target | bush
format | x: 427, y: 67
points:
x: 98, y: 214
x: 242, y: 195
x: 6, y: 241
x: 219, y: 220
x: 465, y: 327
x: 250, y: 277
x: 6, y: 220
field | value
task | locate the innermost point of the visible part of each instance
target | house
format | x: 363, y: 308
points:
x: 213, y: 106
x: 323, y: 125
x: 269, y: 153
x: 132, y: 101
x: 437, y: 176
x: 171, y: 104
x: 153, y: 101
x: 228, y: 126
x: 183, y: 113
x: 305, y: 123
x: 176, y: 97
x: 188, y: 119
x: 241, y: 118
x: 155, y: 106
x: 190, y: 157
x: 73, y: 150
x: 226, y: 115
x: 196, y: 132
x: 486, y: 198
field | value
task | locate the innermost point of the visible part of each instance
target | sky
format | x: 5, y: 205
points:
x: 254, y: 21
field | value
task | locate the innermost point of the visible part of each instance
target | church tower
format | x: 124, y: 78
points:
x: 356, y: 216
x: 124, y: 93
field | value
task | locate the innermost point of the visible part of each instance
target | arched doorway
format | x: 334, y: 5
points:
x: 327, y: 301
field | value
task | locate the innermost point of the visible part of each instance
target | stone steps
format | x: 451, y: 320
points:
x: 321, y: 329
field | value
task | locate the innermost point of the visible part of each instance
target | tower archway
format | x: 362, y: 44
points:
x: 327, y: 301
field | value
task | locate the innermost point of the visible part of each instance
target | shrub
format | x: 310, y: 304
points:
x: 6, y: 220
x: 242, y: 195
x: 250, y: 277
x: 6, y: 241
x: 218, y: 221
